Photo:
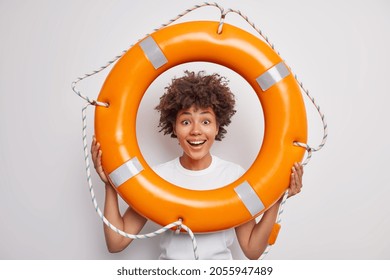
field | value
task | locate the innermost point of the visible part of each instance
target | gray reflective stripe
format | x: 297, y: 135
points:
x: 272, y: 76
x: 153, y: 52
x: 249, y: 197
x: 125, y: 172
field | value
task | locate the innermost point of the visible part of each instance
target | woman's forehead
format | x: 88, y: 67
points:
x: 196, y: 110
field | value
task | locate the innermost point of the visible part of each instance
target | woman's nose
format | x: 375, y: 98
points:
x: 196, y: 130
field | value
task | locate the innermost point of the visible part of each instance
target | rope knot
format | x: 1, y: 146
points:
x: 179, y: 226
x: 221, y: 21
x: 309, y: 150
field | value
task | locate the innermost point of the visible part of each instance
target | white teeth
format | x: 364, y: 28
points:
x: 196, y: 142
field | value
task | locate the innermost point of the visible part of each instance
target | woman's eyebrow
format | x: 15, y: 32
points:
x: 185, y: 113
x: 206, y: 112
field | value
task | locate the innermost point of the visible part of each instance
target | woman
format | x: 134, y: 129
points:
x: 195, y: 109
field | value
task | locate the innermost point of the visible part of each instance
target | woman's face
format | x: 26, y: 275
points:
x: 196, y: 129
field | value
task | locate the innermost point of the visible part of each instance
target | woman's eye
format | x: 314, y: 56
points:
x: 206, y: 122
x: 185, y: 122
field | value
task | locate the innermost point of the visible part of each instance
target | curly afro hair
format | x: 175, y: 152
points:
x: 203, y: 91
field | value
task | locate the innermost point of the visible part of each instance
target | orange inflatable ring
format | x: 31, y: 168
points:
x: 284, y: 118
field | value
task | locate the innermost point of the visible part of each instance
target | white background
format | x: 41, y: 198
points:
x: 339, y: 49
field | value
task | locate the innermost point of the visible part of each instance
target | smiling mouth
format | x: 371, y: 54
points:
x: 196, y: 143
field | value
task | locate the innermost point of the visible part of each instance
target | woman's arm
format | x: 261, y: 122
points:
x: 130, y: 222
x: 253, y: 237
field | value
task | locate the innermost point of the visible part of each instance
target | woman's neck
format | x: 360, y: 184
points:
x: 195, y: 164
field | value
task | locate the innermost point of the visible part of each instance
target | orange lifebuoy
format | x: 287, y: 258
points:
x: 284, y: 118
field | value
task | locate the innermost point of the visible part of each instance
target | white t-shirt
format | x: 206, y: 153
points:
x: 210, y: 245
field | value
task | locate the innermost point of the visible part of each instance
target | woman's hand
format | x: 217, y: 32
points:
x: 295, y: 180
x: 97, y: 160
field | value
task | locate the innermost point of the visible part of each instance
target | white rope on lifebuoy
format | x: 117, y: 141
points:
x: 308, y: 148
x: 178, y: 223
x: 93, y: 102
x: 94, y: 72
